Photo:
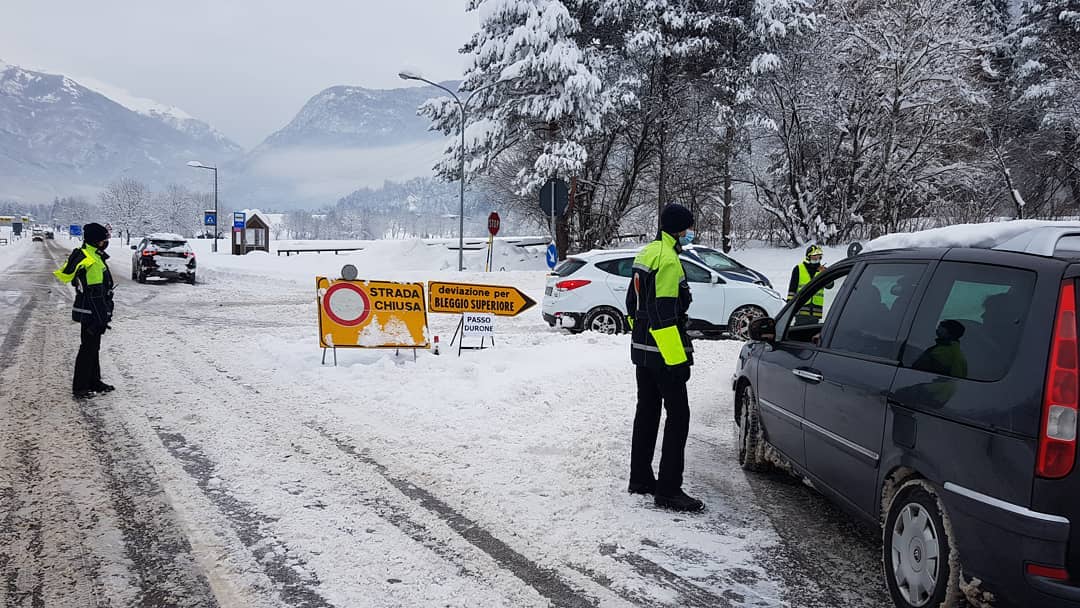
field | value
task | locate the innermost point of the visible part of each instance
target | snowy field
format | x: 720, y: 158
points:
x: 493, y: 479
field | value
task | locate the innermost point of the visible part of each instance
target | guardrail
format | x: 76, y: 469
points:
x: 289, y: 252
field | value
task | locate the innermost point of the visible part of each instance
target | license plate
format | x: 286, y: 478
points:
x: 547, y: 290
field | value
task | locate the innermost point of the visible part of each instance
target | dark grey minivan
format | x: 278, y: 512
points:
x: 936, y: 398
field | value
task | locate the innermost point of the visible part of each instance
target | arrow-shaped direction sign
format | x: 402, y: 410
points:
x: 456, y: 298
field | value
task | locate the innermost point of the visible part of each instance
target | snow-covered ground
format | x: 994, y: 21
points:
x: 496, y: 478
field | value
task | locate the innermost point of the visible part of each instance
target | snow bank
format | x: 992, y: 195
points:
x: 962, y: 235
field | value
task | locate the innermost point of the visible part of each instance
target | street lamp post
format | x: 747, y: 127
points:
x: 462, y: 106
x: 217, y: 219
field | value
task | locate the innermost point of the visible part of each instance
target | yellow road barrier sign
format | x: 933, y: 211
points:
x: 371, y: 314
x: 457, y: 298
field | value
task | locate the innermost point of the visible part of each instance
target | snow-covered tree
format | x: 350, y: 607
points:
x: 872, y: 120
x: 1046, y: 76
x: 125, y: 204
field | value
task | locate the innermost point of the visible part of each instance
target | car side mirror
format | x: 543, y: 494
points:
x: 763, y: 329
x: 133, y: 247
x: 718, y: 280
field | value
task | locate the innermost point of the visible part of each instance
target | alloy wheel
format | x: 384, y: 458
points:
x: 604, y: 323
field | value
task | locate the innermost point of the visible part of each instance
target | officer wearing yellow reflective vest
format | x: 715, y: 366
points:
x: 656, y: 303
x: 801, y: 275
x: 87, y: 270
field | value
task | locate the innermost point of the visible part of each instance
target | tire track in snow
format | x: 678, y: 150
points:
x: 66, y: 537
x: 160, y: 553
x: 270, y: 553
x: 546, y: 581
x: 403, y: 519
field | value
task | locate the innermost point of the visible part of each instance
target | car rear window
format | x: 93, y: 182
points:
x: 569, y: 267
x: 623, y: 267
x: 162, y: 244
x: 970, y: 321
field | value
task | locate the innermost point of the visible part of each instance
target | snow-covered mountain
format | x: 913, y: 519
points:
x: 358, y: 117
x: 344, y: 138
x: 59, y: 137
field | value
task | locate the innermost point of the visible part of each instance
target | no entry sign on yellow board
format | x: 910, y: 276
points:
x: 371, y: 314
x: 456, y: 298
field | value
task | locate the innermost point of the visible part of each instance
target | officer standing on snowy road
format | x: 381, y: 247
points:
x: 87, y: 271
x: 801, y: 275
x: 656, y: 303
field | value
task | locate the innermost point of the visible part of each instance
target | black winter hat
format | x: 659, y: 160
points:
x: 94, y: 233
x: 675, y: 218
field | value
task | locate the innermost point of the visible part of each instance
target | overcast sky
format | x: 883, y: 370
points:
x: 244, y: 66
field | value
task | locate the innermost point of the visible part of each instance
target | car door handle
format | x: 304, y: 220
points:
x: 808, y: 375
x: 621, y: 288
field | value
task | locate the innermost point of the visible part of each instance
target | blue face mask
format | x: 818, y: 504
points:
x: 688, y: 238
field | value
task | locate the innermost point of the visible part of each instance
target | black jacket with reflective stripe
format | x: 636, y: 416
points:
x: 649, y: 311
x: 93, y: 303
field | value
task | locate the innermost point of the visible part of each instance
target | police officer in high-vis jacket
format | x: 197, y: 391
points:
x: 87, y: 270
x: 656, y: 303
x: 812, y: 311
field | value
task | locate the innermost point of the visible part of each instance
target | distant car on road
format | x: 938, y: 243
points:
x: 588, y: 292
x: 163, y: 255
x: 37, y: 235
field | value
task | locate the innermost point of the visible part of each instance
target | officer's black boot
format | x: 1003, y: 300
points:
x: 679, y: 502
x: 101, y: 387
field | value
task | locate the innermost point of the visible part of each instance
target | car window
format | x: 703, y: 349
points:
x: 167, y: 244
x: 807, y: 319
x: 695, y: 273
x: 716, y: 260
x: 623, y: 267
x: 970, y: 322
x: 569, y: 267
x: 1068, y: 247
x: 870, y: 322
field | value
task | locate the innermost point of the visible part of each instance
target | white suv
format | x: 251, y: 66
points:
x: 588, y: 291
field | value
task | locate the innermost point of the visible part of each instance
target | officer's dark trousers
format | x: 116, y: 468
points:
x: 87, y: 365
x: 660, y: 388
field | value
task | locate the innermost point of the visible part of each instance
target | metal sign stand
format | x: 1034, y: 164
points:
x: 397, y: 353
x: 461, y: 342
x: 324, y: 355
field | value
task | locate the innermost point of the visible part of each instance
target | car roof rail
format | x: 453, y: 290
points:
x: 1041, y: 241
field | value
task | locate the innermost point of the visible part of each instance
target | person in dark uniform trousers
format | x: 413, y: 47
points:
x: 656, y: 305
x: 87, y: 270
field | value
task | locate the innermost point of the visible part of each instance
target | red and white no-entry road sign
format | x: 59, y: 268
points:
x: 347, y: 304
x: 493, y: 223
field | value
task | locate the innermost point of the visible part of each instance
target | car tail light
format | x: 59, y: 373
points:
x: 1057, y: 439
x: 571, y: 284
x: 1058, y: 574
x: 147, y: 252
x: 190, y: 254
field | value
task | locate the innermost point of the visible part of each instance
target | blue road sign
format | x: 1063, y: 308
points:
x: 238, y: 219
x: 75, y: 230
x: 210, y: 218
x: 552, y: 256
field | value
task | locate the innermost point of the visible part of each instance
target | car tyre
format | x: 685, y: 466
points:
x: 739, y: 323
x: 606, y: 320
x: 918, y: 550
x: 751, y: 442
x: 140, y: 276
